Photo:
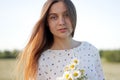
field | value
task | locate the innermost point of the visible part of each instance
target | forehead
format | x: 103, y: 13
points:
x: 58, y: 7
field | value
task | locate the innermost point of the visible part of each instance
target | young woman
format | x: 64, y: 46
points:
x: 51, y: 46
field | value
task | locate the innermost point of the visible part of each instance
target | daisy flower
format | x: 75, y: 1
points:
x: 67, y: 68
x: 76, y: 74
x: 72, y: 72
x: 76, y: 61
x: 72, y: 66
x: 66, y: 75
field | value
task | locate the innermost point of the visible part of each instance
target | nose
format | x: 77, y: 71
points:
x: 61, y: 21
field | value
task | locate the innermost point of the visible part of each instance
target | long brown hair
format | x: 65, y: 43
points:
x: 41, y: 40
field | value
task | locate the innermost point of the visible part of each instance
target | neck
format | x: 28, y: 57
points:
x: 64, y: 43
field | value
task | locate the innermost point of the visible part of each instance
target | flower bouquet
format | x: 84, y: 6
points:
x: 71, y: 72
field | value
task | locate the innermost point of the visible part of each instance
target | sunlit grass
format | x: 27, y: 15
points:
x: 7, y: 69
x: 111, y: 70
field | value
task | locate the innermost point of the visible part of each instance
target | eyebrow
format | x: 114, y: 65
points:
x: 51, y: 14
x: 66, y: 11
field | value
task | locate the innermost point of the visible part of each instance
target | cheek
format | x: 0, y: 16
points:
x: 52, y: 28
x: 70, y: 29
x: 70, y: 25
x: 68, y: 22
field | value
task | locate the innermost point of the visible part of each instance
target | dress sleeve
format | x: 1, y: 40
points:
x: 98, y: 66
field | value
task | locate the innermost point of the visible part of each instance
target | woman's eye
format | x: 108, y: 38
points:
x: 66, y: 14
x: 53, y: 17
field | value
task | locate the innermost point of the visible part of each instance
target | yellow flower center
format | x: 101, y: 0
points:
x: 75, y: 74
x: 75, y: 61
x: 66, y: 76
x: 72, y: 66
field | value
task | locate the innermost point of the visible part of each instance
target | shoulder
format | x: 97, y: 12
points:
x: 90, y: 49
x: 89, y: 46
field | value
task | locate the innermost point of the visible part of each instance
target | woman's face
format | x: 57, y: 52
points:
x: 59, y: 21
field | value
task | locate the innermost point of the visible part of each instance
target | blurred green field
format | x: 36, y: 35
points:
x: 111, y: 70
x: 6, y: 69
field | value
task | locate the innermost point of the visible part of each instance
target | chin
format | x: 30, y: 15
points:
x: 65, y: 36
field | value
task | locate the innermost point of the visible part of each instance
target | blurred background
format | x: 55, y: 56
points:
x: 98, y: 23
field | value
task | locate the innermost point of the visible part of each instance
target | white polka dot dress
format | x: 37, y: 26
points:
x: 52, y: 62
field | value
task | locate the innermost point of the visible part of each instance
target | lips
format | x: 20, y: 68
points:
x: 62, y: 30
